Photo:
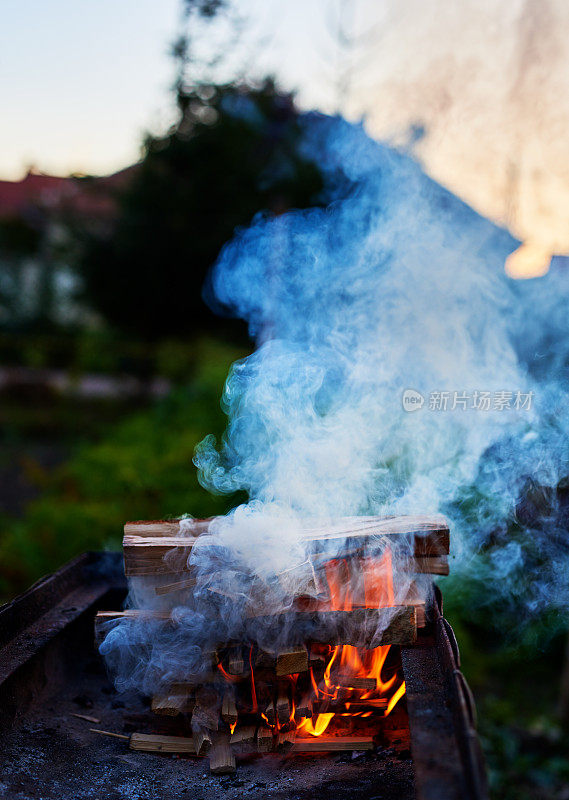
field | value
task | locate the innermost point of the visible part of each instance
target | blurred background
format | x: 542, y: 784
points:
x: 136, y: 136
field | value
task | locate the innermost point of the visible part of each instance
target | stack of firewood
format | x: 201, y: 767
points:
x: 331, y: 680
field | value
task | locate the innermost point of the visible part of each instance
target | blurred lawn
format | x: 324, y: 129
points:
x: 140, y: 468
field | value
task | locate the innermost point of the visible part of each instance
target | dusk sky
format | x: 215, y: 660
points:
x: 80, y: 80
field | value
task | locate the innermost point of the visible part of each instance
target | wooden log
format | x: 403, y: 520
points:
x: 326, y: 744
x: 229, y: 709
x: 264, y: 739
x: 154, y: 743
x: 292, y: 661
x: 221, y: 758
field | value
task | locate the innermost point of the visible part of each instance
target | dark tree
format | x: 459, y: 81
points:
x: 234, y: 152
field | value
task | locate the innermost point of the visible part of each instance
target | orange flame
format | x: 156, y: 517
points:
x: 322, y: 722
x: 395, y: 699
x: 229, y: 678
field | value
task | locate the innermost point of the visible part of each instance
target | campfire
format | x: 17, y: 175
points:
x: 304, y: 661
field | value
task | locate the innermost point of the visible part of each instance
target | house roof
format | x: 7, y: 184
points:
x: 38, y: 191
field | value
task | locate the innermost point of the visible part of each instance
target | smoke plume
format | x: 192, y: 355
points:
x: 394, y: 287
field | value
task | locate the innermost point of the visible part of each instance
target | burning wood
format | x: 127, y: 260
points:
x: 164, y: 547
x: 336, y: 620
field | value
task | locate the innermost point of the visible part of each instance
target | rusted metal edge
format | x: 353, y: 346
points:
x: 45, y: 618
x: 447, y: 756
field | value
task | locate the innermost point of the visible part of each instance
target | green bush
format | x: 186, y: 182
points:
x: 142, y: 469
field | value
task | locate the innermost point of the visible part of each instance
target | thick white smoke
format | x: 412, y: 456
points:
x: 396, y: 285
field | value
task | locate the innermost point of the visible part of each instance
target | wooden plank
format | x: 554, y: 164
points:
x: 362, y: 684
x: 166, y: 527
x: 154, y: 743
x: 147, y: 544
x: 361, y: 627
x: 292, y: 661
x: 326, y: 744
x: 139, y: 563
x: 429, y: 565
x: 358, y: 627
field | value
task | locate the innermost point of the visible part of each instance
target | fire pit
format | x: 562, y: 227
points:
x: 53, y: 692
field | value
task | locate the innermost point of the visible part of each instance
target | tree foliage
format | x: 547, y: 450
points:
x: 233, y: 152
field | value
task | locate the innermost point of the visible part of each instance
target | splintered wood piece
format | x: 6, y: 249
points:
x: 109, y: 733
x: 282, y: 706
x: 292, y: 661
x: 243, y: 738
x: 159, y: 547
x: 154, y: 743
x: 170, y: 588
x: 323, y: 744
x: 229, y: 709
x: 170, y: 705
x: 201, y: 739
x: 221, y: 758
x: 264, y: 740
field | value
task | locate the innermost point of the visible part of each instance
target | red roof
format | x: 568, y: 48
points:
x: 79, y: 195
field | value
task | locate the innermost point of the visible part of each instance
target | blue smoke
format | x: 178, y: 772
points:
x: 398, y: 285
